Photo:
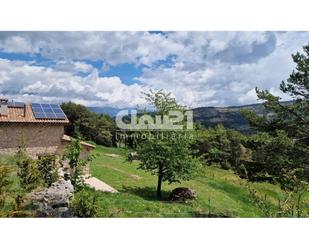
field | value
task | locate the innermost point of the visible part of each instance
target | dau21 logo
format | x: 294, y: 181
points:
x: 174, y: 120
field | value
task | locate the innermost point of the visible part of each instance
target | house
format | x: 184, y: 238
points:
x: 39, y: 126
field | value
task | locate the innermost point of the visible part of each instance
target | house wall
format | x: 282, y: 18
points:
x: 39, y: 138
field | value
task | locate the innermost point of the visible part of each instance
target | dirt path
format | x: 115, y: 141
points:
x: 99, y: 185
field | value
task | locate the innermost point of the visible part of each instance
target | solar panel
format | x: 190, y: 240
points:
x: 47, y: 111
x: 16, y: 104
x: 54, y: 106
x: 50, y: 115
x: 60, y: 115
x: 37, y: 109
x: 35, y: 105
x: 39, y: 115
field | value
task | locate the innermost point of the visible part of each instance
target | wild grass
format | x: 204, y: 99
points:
x: 221, y: 193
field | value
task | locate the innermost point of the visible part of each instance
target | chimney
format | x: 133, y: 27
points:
x: 3, y: 107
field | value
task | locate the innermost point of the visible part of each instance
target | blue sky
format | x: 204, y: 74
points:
x: 113, y: 68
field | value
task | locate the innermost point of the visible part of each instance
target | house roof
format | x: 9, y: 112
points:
x: 67, y: 138
x: 21, y: 115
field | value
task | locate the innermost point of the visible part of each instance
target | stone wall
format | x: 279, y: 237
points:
x: 39, y: 138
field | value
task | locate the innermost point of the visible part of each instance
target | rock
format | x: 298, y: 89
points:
x: 182, y: 194
x: 132, y: 156
x: 54, y: 201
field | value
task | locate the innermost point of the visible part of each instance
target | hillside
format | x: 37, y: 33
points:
x: 105, y: 110
x: 230, y: 116
x: 220, y: 192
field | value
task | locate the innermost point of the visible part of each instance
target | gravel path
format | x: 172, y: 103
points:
x: 99, y: 185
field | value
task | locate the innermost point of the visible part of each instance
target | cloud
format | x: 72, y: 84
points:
x: 73, y: 66
x: 24, y: 81
x: 111, y: 47
x: 16, y: 44
x: 222, y: 80
x: 199, y: 68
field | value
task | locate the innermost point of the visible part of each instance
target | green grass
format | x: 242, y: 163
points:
x: 6, y: 160
x: 220, y: 192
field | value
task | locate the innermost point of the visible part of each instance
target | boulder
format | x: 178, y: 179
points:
x: 132, y: 156
x: 182, y: 194
x: 53, y: 201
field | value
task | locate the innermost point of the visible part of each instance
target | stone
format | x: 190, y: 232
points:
x: 53, y: 201
x: 182, y: 194
x: 132, y: 156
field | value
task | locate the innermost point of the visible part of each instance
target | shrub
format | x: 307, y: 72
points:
x: 27, y: 171
x: 73, y: 151
x: 84, y: 204
x: 47, y: 167
x: 5, y: 183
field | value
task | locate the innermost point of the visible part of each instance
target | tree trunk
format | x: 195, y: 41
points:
x: 159, y: 195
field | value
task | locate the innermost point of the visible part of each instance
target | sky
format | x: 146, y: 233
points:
x: 114, y: 68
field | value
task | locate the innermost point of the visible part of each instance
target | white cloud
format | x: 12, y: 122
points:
x: 221, y: 82
x: 184, y: 84
x: 207, y: 68
x: 248, y: 97
x: 112, y: 47
x: 16, y: 44
x: 73, y: 66
x: 36, y: 83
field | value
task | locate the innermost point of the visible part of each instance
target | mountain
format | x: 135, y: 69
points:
x: 229, y: 116
x: 105, y: 110
x: 111, y: 111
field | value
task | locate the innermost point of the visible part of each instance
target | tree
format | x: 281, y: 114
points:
x: 27, y: 171
x: 294, y: 116
x: 167, y: 154
x: 220, y: 146
x: 288, y: 125
x: 88, y: 125
x: 76, y: 164
x: 5, y: 183
x: 48, y: 168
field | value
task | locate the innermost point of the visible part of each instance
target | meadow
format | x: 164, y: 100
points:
x: 220, y: 192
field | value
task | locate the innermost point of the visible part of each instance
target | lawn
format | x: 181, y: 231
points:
x: 220, y: 192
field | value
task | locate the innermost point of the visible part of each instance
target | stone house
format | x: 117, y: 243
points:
x: 39, y: 126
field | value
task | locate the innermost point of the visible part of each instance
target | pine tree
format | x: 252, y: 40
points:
x: 288, y: 123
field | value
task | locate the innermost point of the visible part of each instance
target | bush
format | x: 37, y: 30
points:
x: 84, y: 204
x: 27, y: 171
x: 47, y: 167
x: 5, y: 183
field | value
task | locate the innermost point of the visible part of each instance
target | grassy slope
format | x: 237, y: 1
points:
x: 226, y: 192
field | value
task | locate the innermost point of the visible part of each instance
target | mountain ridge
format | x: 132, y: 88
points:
x: 210, y: 116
